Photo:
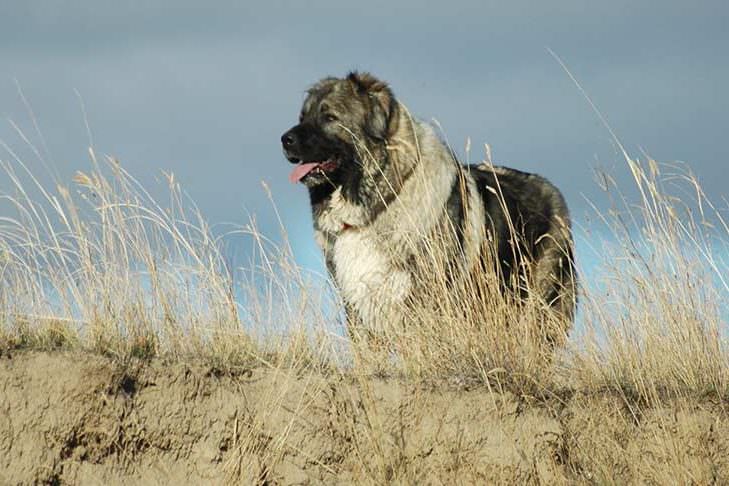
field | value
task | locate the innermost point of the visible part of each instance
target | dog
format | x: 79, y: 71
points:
x: 385, y: 190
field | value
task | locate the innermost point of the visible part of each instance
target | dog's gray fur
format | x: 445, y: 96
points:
x: 390, y: 187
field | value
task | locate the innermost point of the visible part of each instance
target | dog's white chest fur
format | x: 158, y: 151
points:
x: 367, y: 279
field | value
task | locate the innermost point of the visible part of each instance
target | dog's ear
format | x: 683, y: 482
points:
x: 382, y: 103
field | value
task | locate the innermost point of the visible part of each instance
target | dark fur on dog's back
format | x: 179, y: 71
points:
x: 535, y: 210
x: 383, y: 187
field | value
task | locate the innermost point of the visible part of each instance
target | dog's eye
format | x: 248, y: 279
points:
x: 330, y: 118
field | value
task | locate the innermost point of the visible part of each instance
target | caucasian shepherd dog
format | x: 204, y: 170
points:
x: 394, y: 211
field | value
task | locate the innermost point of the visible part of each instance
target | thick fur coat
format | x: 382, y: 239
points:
x: 387, y: 195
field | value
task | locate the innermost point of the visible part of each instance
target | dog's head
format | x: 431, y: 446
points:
x: 340, y: 120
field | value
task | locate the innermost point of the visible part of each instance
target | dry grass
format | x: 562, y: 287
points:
x: 658, y: 322
x: 106, y: 267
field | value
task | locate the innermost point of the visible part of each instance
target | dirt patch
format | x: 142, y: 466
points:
x: 84, y: 419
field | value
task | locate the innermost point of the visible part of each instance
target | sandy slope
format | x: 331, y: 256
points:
x: 83, y: 419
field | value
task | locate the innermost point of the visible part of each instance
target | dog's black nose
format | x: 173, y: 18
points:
x: 288, y: 139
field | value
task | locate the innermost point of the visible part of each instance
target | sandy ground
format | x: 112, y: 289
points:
x: 74, y: 418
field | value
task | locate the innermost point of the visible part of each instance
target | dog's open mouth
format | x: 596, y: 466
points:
x: 303, y: 169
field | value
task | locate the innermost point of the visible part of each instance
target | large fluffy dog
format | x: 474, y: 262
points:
x: 387, y: 194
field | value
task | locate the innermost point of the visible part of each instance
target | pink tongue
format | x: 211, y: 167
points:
x: 301, y: 170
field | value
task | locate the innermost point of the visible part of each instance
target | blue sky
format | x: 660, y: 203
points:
x: 204, y: 89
